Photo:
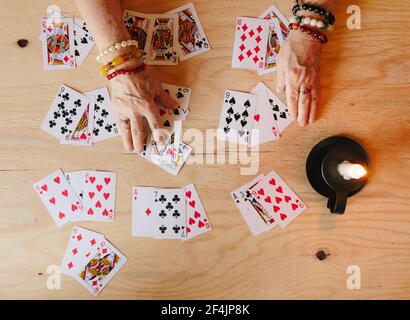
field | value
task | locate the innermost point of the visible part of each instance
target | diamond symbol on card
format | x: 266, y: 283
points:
x: 241, y: 57
x: 255, y: 59
x: 66, y: 58
x: 74, y: 251
x: 242, y: 47
x: 259, y: 29
x: 244, y: 27
x: 93, y: 242
x: 249, y: 53
x: 148, y: 212
x: 251, y: 33
x: 94, y: 283
x: 243, y: 37
x: 70, y: 265
x: 104, y: 251
x: 79, y: 237
x: 258, y: 39
x: 257, y: 49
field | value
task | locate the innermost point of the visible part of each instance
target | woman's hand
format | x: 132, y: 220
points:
x: 298, y: 73
x: 134, y: 98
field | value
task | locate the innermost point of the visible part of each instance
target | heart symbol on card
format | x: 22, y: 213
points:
x: 99, y: 187
x: 73, y: 207
x: 191, y: 221
x: 91, y: 194
x: 276, y: 208
x: 279, y: 189
x: 61, y: 215
x: 287, y: 199
x: 57, y: 180
x: 197, y: 214
x: 294, y: 206
x: 200, y: 224
x: 44, y: 187
x: 148, y: 212
x: 278, y: 200
x: 272, y: 182
x: 188, y: 194
x: 268, y: 199
x: 188, y: 230
x: 83, y: 136
x: 192, y: 203
x: 90, y: 212
x: 107, y: 180
x: 256, y: 117
x: 92, y: 179
x: 261, y: 192
x: 98, y: 204
x: 105, y: 212
x: 53, y: 200
x: 106, y: 195
x: 283, y: 216
x: 65, y: 193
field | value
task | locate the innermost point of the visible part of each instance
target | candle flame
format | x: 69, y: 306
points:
x: 351, y: 170
x: 357, y: 171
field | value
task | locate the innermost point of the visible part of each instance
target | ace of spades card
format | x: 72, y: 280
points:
x: 236, y: 117
x: 249, y: 49
x: 192, y: 39
x: 169, y: 213
x: 65, y: 112
x: 278, y: 199
x: 161, y: 45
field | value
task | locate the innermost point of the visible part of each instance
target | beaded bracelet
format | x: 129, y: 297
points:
x: 319, y: 10
x: 314, y: 33
x: 117, y: 46
x: 117, y: 61
x: 126, y: 71
x: 312, y: 22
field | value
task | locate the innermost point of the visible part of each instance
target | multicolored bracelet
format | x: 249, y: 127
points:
x: 314, y: 33
x: 319, y: 10
x: 117, y: 61
x: 116, y: 46
x: 312, y: 22
x: 136, y: 70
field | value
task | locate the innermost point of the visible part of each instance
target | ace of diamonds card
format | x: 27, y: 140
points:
x: 249, y: 49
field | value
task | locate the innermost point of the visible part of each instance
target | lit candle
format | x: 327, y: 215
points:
x: 350, y: 170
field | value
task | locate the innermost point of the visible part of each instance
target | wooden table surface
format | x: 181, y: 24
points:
x: 365, y: 77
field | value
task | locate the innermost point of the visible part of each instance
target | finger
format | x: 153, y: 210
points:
x: 165, y: 99
x: 303, y: 106
x: 314, y: 103
x: 125, y: 132
x: 292, y: 97
x: 137, y: 132
x: 151, y: 113
x: 280, y: 81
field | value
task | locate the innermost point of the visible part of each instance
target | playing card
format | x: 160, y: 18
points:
x: 83, y: 133
x: 57, y: 40
x: 264, y: 119
x: 83, y: 25
x: 275, y: 41
x: 174, y: 168
x: 236, y: 117
x: 249, y: 49
x: 273, y: 12
x: 167, y: 152
x: 182, y: 96
x: 278, y: 199
x: 76, y: 181
x: 197, y: 221
x: 142, y: 212
x: 101, y: 268
x: 58, y: 197
x: 191, y: 36
x: 83, y: 43
x: 99, y: 195
x: 105, y: 126
x: 279, y: 109
x: 169, y: 213
x: 137, y: 24
x: 161, y: 45
x: 251, y: 213
x: 81, y: 247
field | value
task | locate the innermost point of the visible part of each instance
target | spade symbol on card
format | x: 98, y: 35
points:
x: 84, y: 40
x: 283, y: 115
x: 247, y: 104
x: 237, y: 116
x: 243, y: 123
x: 232, y: 101
x: 227, y: 129
x: 180, y: 95
x: 167, y: 124
x: 228, y: 120
x: 230, y: 110
x: 176, y: 111
x: 77, y: 54
x: 245, y: 113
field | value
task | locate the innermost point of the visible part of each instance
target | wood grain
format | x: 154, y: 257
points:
x: 365, y: 95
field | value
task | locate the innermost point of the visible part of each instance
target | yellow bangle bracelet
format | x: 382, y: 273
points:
x: 119, y: 60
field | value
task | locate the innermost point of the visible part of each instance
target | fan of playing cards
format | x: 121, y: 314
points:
x: 167, y: 38
x: 86, y: 195
x: 65, y: 41
x: 258, y: 41
x: 168, y: 213
x: 252, y: 118
x: 91, y: 259
x: 267, y: 201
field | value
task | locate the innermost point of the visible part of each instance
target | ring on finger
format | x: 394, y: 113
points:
x: 305, y: 91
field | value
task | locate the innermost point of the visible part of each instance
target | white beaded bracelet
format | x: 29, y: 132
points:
x: 116, y: 46
x: 311, y: 22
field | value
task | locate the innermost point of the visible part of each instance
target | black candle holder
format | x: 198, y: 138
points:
x: 322, y: 170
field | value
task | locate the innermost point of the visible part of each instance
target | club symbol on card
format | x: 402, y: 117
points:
x: 162, y: 214
x: 176, y: 198
x: 162, y: 229
x: 169, y: 206
x: 176, y: 214
x: 176, y: 229
x: 162, y: 198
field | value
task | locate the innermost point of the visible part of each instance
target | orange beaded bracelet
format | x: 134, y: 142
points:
x: 117, y: 61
